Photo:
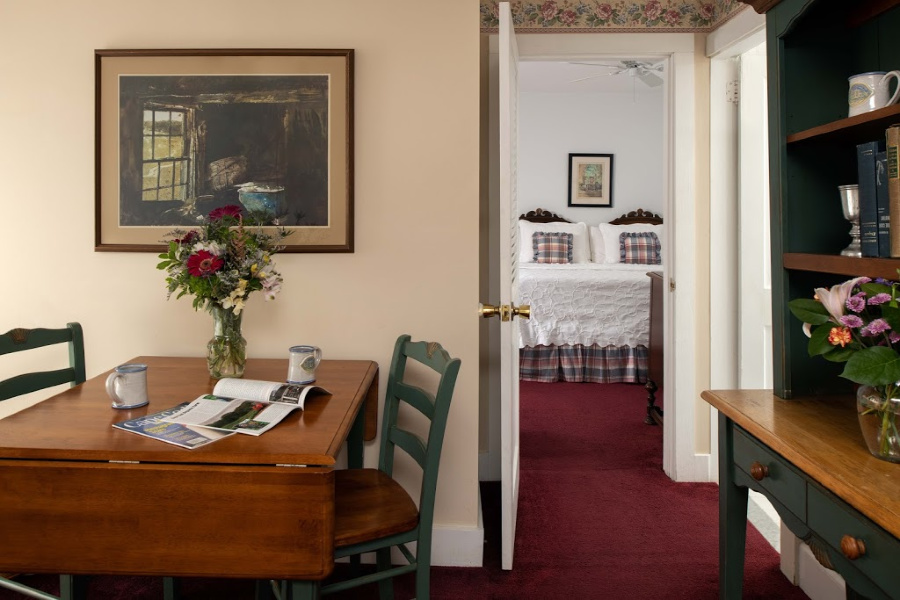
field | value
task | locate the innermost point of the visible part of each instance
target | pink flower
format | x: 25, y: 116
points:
x: 225, y: 211
x: 568, y: 17
x: 203, y: 264
x: 653, y: 10
x: 604, y: 12
x: 707, y: 11
x: 835, y: 299
x: 549, y: 10
x: 673, y: 16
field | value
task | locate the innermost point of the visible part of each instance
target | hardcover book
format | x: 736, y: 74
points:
x: 883, y: 205
x: 868, y: 211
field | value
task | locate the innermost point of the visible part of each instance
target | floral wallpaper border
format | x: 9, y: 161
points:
x: 592, y: 16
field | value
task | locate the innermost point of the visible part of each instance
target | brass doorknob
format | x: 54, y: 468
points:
x: 852, y: 547
x: 759, y: 471
x: 522, y: 311
x: 488, y: 310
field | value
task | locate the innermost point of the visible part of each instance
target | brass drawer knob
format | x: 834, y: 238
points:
x: 852, y: 547
x: 759, y: 471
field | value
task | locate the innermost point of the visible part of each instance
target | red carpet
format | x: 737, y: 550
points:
x: 597, y: 518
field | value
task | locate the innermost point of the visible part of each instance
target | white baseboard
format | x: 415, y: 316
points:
x: 815, y: 580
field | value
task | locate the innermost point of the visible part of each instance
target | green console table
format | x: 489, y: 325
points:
x: 808, y: 457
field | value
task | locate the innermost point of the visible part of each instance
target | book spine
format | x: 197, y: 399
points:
x: 893, y: 173
x: 883, y: 205
x: 868, y: 212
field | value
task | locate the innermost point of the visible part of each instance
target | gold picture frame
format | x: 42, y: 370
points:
x: 182, y: 132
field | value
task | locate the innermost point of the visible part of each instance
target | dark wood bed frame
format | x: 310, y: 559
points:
x: 654, y: 371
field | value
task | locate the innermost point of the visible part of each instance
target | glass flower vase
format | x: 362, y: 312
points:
x: 878, y: 420
x: 226, y: 353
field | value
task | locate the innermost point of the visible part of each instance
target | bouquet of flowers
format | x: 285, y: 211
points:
x: 220, y: 264
x: 858, y: 323
x: 223, y: 261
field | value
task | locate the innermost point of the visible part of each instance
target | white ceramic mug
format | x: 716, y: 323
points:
x: 869, y: 91
x: 127, y: 386
x: 303, y: 363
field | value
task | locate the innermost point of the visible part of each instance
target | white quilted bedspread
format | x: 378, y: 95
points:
x: 585, y: 303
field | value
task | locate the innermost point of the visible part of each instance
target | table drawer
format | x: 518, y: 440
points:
x: 780, y: 478
x: 832, y: 519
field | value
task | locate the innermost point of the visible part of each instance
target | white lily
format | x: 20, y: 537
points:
x: 835, y: 299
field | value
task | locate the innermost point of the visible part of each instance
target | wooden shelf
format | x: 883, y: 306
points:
x: 842, y: 265
x: 858, y: 129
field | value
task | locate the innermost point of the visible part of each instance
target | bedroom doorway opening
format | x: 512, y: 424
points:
x: 591, y: 318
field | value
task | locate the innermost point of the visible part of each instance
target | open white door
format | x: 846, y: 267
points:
x: 509, y: 270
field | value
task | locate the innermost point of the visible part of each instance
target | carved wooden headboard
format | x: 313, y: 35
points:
x: 539, y: 215
x: 638, y: 216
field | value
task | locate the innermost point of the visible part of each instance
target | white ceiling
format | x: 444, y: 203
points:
x: 560, y: 77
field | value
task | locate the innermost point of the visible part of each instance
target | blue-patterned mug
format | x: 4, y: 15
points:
x: 870, y: 91
x: 303, y: 363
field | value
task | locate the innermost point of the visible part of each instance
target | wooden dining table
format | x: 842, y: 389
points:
x: 79, y: 496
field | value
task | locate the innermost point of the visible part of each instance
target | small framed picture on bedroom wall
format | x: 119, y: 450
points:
x: 590, y: 179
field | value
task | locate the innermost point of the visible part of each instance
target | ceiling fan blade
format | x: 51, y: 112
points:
x: 608, y: 66
x: 588, y: 77
x: 650, y: 79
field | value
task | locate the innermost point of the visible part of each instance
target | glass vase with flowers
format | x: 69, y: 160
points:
x: 858, y: 323
x: 220, y: 263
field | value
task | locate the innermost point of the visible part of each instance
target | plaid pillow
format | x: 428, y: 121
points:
x: 639, y: 248
x: 553, y: 248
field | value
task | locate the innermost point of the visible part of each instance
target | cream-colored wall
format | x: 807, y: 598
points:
x: 416, y: 265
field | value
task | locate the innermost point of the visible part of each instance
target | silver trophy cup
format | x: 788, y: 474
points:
x: 850, y: 206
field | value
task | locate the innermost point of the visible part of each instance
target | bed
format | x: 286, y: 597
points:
x: 589, y: 309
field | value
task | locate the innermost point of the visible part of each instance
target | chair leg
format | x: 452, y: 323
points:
x: 304, y: 590
x: 171, y: 588
x: 423, y: 571
x: 383, y: 562
x: 73, y: 587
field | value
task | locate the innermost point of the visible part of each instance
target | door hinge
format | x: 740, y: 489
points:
x: 733, y: 91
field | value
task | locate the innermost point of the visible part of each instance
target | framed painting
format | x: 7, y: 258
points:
x: 183, y: 132
x: 590, y: 179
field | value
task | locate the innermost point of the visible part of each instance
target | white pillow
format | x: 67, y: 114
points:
x: 598, y: 250
x: 610, y: 234
x: 581, y: 251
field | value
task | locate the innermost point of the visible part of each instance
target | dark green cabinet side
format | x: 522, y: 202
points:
x: 813, y: 47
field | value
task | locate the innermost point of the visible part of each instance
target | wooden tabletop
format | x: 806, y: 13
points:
x: 77, y: 423
x: 821, y: 437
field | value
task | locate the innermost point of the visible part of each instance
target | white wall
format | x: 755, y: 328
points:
x: 628, y: 126
x: 416, y: 265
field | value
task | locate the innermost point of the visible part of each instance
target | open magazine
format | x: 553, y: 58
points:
x: 154, y: 426
x: 244, y: 406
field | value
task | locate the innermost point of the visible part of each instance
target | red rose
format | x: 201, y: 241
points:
x: 548, y: 10
x: 604, y: 12
x: 226, y: 211
x: 653, y: 10
x: 567, y: 17
x: 707, y: 11
x: 204, y: 263
x: 673, y: 16
x: 189, y: 238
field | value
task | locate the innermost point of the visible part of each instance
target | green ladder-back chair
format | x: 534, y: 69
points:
x: 18, y: 340
x: 372, y: 511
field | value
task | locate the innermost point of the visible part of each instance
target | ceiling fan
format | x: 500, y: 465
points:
x: 643, y: 70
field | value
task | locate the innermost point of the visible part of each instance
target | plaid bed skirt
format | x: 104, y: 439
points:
x: 580, y: 363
